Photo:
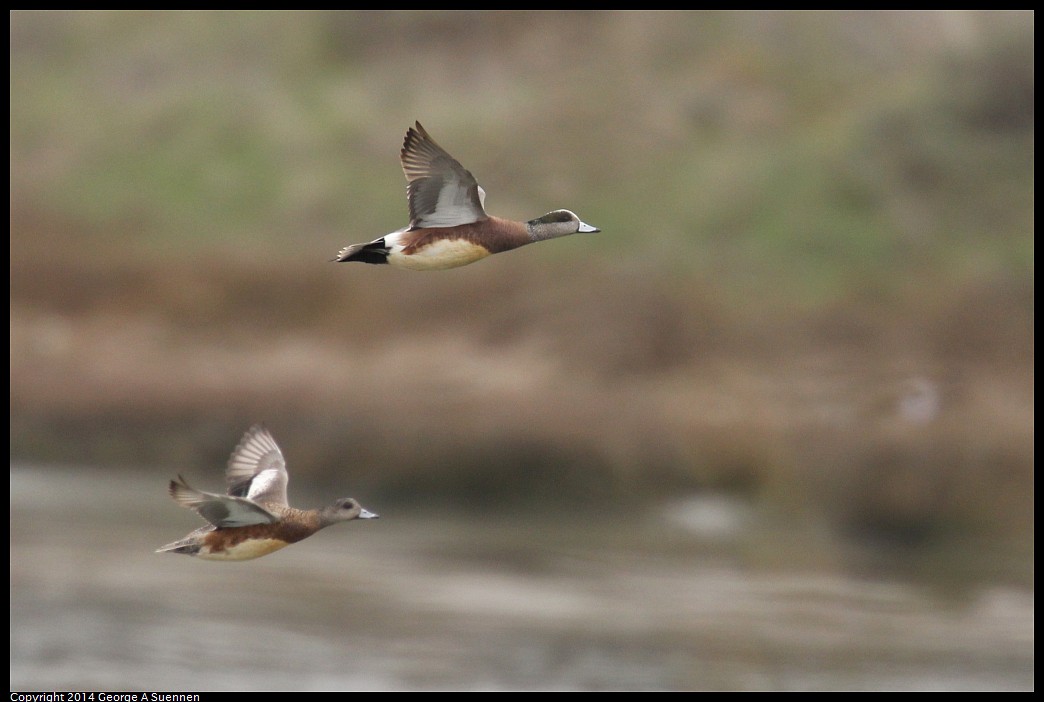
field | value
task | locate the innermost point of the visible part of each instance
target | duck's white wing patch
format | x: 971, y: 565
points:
x: 220, y: 510
x: 441, y: 192
x: 256, y: 469
x: 443, y: 201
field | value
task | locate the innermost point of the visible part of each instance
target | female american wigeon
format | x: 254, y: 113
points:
x: 253, y: 519
x: 449, y: 226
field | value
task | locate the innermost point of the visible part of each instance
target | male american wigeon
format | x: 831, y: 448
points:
x: 253, y: 519
x: 449, y: 226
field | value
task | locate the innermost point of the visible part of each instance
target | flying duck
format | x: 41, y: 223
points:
x: 253, y: 519
x: 448, y: 225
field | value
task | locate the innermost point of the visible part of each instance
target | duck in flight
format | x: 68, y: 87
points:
x: 253, y: 519
x: 448, y: 225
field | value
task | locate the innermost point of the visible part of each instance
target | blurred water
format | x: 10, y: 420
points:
x: 637, y: 602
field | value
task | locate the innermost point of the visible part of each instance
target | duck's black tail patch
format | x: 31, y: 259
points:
x: 374, y: 252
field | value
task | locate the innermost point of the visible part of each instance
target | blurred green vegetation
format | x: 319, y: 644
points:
x: 817, y: 152
x: 800, y: 212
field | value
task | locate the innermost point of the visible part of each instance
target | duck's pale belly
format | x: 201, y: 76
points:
x: 438, y: 255
x: 243, y: 551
